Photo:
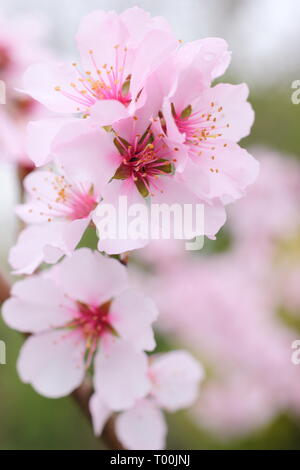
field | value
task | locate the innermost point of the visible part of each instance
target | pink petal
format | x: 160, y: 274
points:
x: 41, y: 79
x: 214, y: 219
x: 118, y: 242
x: 106, y: 112
x: 87, y: 158
x: 132, y: 317
x: 236, y: 111
x: 29, y: 252
x: 46, y: 242
x: 40, y: 137
x: 234, y: 169
x: 176, y: 376
x: 138, y: 22
x: 197, y: 63
x: 120, y: 374
x: 36, y: 305
x: 100, y: 32
x: 52, y: 363
x: 142, y: 427
x: 89, y: 277
x: 99, y: 412
x: 152, y: 52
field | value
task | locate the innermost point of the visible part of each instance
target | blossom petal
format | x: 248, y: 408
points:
x: 142, y: 427
x: 41, y: 82
x: 40, y: 137
x: 197, y: 63
x: 90, y: 277
x: 88, y: 159
x: 36, y: 305
x: 52, y: 363
x: 227, y: 176
x: 176, y: 377
x: 100, y: 32
x: 28, y: 253
x: 132, y: 316
x: 120, y: 374
x: 106, y: 112
x: 152, y: 52
x: 99, y: 412
x: 46, y: 242
x: 234, y: 115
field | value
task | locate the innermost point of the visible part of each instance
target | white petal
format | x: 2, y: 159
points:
x: 132, y: 316
x: 176, y: 376
x: 142, y: 427
x: 36, y: 305
x: 121, y: 374
x: 99, y: 412
x: 89, y: 277
x: 53, y: 363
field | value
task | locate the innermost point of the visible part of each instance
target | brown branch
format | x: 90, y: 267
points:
x: 82, y: 397
x: 4, y: 289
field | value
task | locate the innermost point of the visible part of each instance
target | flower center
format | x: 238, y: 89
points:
x: 144, y: 161
x: 202, y: 130
x: 64, y: 200
x: 102, y: 82
x: 93, y: 322
x: 201, y: 125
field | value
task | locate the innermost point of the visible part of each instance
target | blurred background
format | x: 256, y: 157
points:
x: 235, y: 304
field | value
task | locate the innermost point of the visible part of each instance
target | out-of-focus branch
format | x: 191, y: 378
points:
x: 22, y: 172
x: 4, y: 289
x: 82, y: 396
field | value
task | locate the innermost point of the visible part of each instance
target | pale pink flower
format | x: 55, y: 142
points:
x: 234, y: 407
x: 60, y: 206
x: 82, y: 312
x: 267, y: 223
x: 226, y: 312
x: 175, y: 379
x: 207, y: 122
x: 119, y: 56
x: 142, y: 166
x: 252, y: 217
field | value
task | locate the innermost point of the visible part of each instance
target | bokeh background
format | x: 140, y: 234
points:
x: 264, y: 36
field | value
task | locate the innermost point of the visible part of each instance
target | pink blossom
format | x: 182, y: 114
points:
x: 277, y: 171
x: 226, y: 312
x: 79, y: 312
x: 207, y: 122
x: 60, y: 206
x: 234, y: 407
x: 142, y: 166
x: 119, y: 56
x: 175, y: 379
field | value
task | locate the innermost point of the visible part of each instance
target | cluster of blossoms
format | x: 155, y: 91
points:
x: 244, y: 325
x: 83, y: 317
x: 137, y: 117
